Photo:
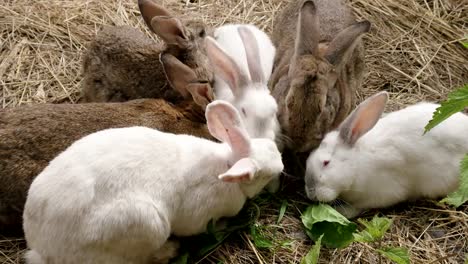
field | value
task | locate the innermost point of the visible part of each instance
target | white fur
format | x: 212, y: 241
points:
x: 259, y: 106
x: 391, y: 163
x: 115, y: 196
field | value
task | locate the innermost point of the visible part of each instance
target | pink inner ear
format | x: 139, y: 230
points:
x: 242, y: 171
x: 236, y: 179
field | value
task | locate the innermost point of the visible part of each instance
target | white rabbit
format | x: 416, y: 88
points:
x: 372, y: 163
x: 115, y: 196
x: 243, y: 56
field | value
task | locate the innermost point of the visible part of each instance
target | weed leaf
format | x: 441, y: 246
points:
x: 282, y: 211
x: 374, y: 229
x: 259, y: 240
x: 322, y: 219
x: 313, y: 256
x: 396, y: 254
x: 460, y: 196
x: 456, y: 102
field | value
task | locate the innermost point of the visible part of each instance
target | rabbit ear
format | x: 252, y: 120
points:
x: 363, y: 118
x: 184, y: 80
x: 149, y: 9
x: 160, y: 21
x: 308, y: 33
x: 171, y: 30
x: 242, y: 171
x: 224, y: 123
x: 202, y: 93
x: 225, y: 66
x: 344, y: 41
x: 252, y: 53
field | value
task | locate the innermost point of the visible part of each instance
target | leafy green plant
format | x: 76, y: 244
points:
x: 326, y: 226
x: 284, y: 206
x: 396, y: 254
x: 456, y: 102
x: 313, y: 256
x: 374, y: 232
x: 322, y: 219
x: 374, y: 229
x: 196, y: 247
x: 259, y: 239
x: 465, y: 44
x: 460, y: 196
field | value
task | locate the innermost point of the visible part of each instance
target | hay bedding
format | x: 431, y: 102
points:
x: 413, y: 52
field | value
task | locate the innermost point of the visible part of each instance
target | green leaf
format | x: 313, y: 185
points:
x: 313, y: 256
x: 323, y: 220
x: 259, y: 240
x: 397, y: 254
x: 282, y: 211
x: 465, y: 44
x: 374, y: 229
x: 456, y: 102
x: 196, y: 247
x: 466, y: 258
x: 460, y: 196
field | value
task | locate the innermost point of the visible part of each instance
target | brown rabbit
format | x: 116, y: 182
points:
x: 31, y: 136
x: 319, y: 65
x: 121, y: 63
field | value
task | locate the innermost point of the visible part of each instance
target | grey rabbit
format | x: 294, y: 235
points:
x: 121, y: 63
x: 319, y: 66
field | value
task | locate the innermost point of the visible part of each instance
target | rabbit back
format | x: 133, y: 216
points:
x: 122, y: 64
x: 33, y: 135
x: 128, y: 189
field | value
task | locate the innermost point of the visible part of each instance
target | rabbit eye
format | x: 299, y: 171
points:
x: 326, y: 162
x: 243, y: 112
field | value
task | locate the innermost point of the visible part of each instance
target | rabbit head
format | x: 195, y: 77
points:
x: 325, y: 176
x: 184, y: 40
x: 121, y: 63
x: 254, y: 162
x: 314, y: 80
x: 251, y: 96
x: 186, y: 81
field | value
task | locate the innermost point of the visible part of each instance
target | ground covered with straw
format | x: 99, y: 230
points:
x: 414, y: 52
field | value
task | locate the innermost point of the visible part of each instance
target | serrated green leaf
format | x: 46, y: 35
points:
x: 456, y: 102
x: 323, y: 220
x: 282, y: 211
x: 314, y: 253
x: 460, y: 196
x: 374, y: 229
x: 397, y: 254
x: 259, y: 240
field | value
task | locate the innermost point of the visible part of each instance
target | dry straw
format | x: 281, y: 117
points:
x: 413, y: 51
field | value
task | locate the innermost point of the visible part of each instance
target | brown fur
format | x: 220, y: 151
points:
x: 31, y: 136
x: 315, y: 79
x: 121, y: 63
